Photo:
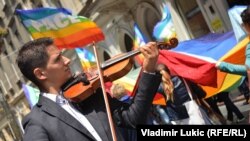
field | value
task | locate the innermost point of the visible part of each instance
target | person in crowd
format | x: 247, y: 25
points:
x: 55, y: 118
x: 212, y: 101
x: 234, y: 68
x: 231, y: 107
x: 216, y: 113
x: 119, y: 92
x: 244, y: 90
x: 177, y: 96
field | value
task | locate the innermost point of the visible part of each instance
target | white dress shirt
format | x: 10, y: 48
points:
x: 76, y: 114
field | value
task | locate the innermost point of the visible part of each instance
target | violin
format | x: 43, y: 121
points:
x: 79, y: 87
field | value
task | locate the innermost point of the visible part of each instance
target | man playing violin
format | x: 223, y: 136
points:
x: 55, y: 118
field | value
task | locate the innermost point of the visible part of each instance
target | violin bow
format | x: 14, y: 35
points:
x: 111, y: 123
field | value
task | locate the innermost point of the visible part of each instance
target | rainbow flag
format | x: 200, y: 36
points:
x: 31, y: 93
x: 195, y: 59
x: 165, y: 30
x: 139, y: 40
x: 68, y: 31
x: 227, y: 81
x: 130, y: 81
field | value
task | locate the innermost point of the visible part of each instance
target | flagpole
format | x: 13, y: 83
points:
x: 111, y: 124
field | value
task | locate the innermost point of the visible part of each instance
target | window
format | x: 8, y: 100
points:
x: 7, y: 97
x: 12, y: 92
x: 7, y: 11
x: 8, y: 38
x: 55, y: 3
x: 12, y: 46
x: 106, y: 55
x: 40, y: 5
x: 1, y: 91
x: 211, y: 9
x: 18, y: 36
x: 5, y: 52
x: 6, y: 55
x: 1, y: 22
x: 1, y: 47
x: 19, y: 84
x: 128, y: 42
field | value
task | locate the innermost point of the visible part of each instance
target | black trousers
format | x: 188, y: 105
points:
x: 231, y: 107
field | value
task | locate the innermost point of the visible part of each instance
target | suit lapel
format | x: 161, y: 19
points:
x: 94, y: 110
x: 52, y: 108
x: 96, y: 121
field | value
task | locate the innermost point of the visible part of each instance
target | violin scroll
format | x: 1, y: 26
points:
x: 173, y: 42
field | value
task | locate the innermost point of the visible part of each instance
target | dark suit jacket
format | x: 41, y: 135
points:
x: 48, y: 121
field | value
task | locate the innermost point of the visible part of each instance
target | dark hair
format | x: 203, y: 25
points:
x: 32, y: 55
x: 245, y: 15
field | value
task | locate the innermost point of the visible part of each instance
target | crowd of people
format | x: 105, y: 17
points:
x: 56, y: 118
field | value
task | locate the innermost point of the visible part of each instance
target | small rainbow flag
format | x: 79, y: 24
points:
x: 140, y: 40
x: 87, y: 59
x: 31, y: 93
x: 68, y: 31
x: 165, y: 30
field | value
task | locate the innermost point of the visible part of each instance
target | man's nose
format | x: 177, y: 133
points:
x: 66, y: 60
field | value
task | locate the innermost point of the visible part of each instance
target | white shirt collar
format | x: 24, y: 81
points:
x: 50, y: 96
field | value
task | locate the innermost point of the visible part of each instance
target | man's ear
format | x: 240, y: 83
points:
x: 39, y: 73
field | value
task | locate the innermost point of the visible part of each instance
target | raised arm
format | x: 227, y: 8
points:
x: 234, y: 68
x: 136, y: 113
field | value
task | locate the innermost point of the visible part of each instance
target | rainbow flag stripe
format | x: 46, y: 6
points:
x: 67, y: 30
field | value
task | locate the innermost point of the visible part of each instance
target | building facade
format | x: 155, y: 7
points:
x: 192, y: 19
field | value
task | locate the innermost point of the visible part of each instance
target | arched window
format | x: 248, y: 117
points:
x: 106, y: 56
x: 147, y: 16
x: 128, y: 42
x: 151, y: 19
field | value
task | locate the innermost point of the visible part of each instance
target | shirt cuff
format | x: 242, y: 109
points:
x: 151, y: 73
